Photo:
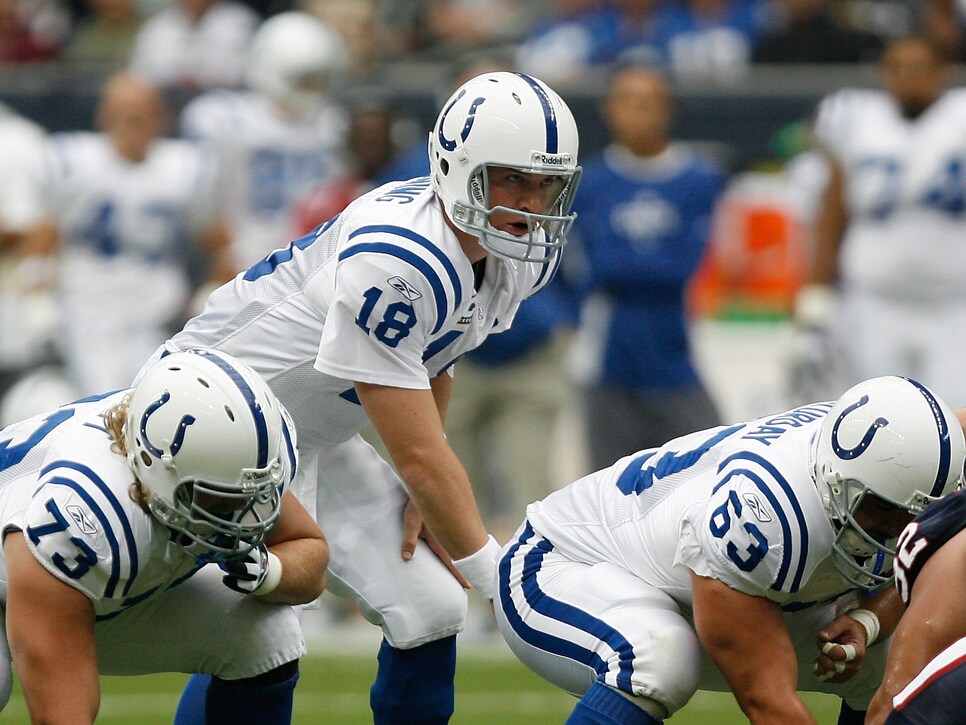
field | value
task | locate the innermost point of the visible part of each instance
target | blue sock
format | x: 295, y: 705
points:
x: 191, y: 706
x: 415, y: 686
x: 262, y: 700
x: 602, y: 705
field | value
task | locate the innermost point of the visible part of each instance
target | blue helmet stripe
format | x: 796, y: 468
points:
x: 549, y: 116
x: 945, y: 445
x: 254, y: 406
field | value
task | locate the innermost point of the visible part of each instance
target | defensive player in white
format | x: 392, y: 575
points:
x: 890, y: 237
x: 123, y: 209
x: 152, y: 530
x: 362, y: 319
x: 754, y: 557
x: 280, y: 138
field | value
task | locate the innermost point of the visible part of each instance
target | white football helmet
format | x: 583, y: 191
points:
x: 892, y: 438
x: 292, y: 58
x: 208, y: 442
x: 510, y: 120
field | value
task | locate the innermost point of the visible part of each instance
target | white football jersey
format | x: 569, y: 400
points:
x: 126, y: 230
x: 734, y: 503
x: 269, y: 162
x: 905, y: 188
x: 382, y: 294
x: 63, y: 486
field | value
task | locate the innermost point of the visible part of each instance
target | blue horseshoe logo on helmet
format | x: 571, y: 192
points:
x: 178, y: 439
x: 849, y: 453
x: 450, y: 144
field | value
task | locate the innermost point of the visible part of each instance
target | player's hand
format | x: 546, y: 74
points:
x: 842, y: 645
x: 413, y: 530
x: 245, y: 574
x: 810, y: 356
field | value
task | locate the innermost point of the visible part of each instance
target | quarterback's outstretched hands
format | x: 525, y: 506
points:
x: 842, y: 643
x: 253, y: 573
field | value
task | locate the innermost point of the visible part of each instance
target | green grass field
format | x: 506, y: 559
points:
x: 333, y: 690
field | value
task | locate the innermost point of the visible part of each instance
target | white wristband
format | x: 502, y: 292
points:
x: 478, y: 568
x: 869, y: 621
x: 273, y: 576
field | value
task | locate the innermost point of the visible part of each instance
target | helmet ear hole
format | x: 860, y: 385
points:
x: 444, y: 167
x: 146, y: 459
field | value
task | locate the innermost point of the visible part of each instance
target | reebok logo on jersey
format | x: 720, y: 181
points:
x: 80, y: 518
x: 757, y: 507
x: 404, y: 288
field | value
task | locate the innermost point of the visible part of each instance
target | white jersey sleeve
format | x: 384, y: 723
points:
x: 836, y: 114
x: 392, y: 294
x: 80, y: 523
x: 764, y: 530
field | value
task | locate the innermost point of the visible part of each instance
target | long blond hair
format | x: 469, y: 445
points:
x: 114, y: 419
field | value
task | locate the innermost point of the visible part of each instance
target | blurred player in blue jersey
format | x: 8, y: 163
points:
x: 152, y: 530
x: 755, y: 558
x: 926, y: 672
x: 361, y: 321
x: 645, y: 210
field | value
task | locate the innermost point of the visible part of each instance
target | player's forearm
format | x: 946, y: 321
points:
x: 65, y: 692
x: 443, y: 494
x: 887, y: 607
x: 829, y: 227
x: 303, y: 563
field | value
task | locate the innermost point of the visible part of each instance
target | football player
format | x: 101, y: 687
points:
x: 279, y: 138
x: 719, y: 560
x: 926, y: 670
x: 362, y: 320
x: 153, y: 530
x: 884, y: 282
x: 123, y: 209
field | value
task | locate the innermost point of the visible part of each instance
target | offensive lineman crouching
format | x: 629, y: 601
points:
x: 719, y: 560
x: 114, y: 510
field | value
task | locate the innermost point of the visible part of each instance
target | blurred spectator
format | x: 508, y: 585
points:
x: 104, y: 38
x: 195, y: 44
x: 885, y: 285
x: 32, y: 30
x: 809, y: 31
x: 122, y: 209
x: 644, y: 208
x: 449, y: 28
x: 709, y: 39
x: 356, y: 22
x: 582, y: 35
x: 457, y: 26
x: 944, y: 21
x: 369, y: 147
x: 278, y: 139
x: 25, y: 313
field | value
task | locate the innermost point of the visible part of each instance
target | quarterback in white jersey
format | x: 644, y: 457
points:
x: 278, y: 140
x: 113, y: 509
x: 719, y: 560
x: 362, y: 320
x: 891, y: 227
x: 123, y: 211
